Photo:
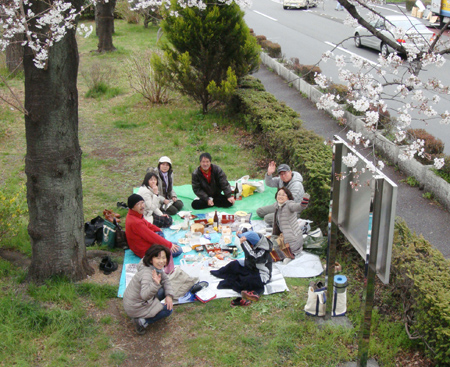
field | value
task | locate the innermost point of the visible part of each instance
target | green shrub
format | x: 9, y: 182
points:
x: 421, y: 278
x: 433, y: 146
x: 306, y: 72
x: 409, y: 4
x: 273, y: 49
x: 98, y: 77
x: 260, y: 39
x: 284, y: 139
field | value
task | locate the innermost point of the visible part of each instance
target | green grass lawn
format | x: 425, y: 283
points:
x: 64, y: 324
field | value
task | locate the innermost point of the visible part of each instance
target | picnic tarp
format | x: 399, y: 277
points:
x: 248, y: 204
x: 307, y: 265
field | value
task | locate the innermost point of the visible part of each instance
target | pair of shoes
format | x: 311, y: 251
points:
x: 103, y: 263
x: 250, y: 296
x: 122, y: 205
x: 316, y: 285
x: 138, y: 327
x: 107, y: 265
x: 240, y: 302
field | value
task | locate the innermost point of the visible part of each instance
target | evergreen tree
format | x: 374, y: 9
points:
x: 208, y: 50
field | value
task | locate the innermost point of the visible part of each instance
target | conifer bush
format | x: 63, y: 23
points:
x: 421, y: 278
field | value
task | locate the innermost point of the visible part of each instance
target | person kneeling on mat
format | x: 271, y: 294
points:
x: 248, y: 277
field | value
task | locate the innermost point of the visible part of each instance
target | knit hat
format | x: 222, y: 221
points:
x: 252, y: 237
x: 165, y: 159
x: 133, y: 200
x: 283, y: 168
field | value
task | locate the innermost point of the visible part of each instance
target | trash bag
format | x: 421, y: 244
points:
x: 315, y: 242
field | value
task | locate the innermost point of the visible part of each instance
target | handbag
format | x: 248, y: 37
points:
x: 281, y: 249
x: 316, y: 303
x: 109, y: 234
x: 121, y: 238
x: 181, y: 282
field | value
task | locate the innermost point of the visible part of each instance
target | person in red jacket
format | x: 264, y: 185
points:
x: 140, y: 233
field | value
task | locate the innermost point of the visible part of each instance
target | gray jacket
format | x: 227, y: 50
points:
x: 286, y: 218
x: 294, y: 185
x: 139, y: 299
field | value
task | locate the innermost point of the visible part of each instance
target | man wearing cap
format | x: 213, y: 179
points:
x: 165, y: 185
x: 141, y: 233
x: 208, y: 183
x: 287, y: 178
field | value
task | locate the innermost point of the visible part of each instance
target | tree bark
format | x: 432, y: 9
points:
x: 105, y: 21
x: 53, y: 163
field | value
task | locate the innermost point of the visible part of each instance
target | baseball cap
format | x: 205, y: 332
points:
x: 283, y: 168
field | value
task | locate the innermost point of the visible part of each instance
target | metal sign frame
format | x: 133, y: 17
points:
x: 364, y: 211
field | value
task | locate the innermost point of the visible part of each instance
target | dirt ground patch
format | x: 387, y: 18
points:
x: 154, y: 348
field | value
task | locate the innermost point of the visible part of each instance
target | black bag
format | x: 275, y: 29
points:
x: 121, y: 238
x: 93, y: 231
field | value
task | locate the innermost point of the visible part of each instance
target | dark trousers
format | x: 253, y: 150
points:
x: 220, y: 201
x: 161, y: 314
x: 174, y: 208
x: 162, y: 222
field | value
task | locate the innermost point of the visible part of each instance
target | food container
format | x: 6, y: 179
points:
x: 201, y: 221
x: 198, y: 227
x: 227, y: 218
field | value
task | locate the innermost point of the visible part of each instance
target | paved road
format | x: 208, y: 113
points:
x: 422, y: 216
x: 307, y: 34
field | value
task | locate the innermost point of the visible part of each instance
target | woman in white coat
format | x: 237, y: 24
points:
x: 153, y: 201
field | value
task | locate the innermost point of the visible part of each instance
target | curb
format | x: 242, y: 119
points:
x: 387, y: 149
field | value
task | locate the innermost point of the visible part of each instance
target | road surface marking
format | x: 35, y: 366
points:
x: 351, y: 53
x: 264, y: 15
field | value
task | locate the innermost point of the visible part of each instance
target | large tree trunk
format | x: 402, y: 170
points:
x: 53, y: 163
x: 105, y: 22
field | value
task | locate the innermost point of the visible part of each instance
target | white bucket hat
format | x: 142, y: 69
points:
x: 165, y: 159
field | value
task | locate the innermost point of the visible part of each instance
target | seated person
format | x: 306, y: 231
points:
x: 287, y: 178
x: 248, y: 278
x: 171, y: 204
x: 150, y: 192
x: 287, y: 236
x: 208, y: 182
x: 149, y: 286
x: 140, y: 233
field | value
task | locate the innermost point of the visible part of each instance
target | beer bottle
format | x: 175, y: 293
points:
x: 216, y: 220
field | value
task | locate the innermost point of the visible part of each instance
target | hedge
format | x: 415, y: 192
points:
x: 285, y: 140
x: 421, y: 278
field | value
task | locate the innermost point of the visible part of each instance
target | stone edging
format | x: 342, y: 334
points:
x: 390, y: 151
